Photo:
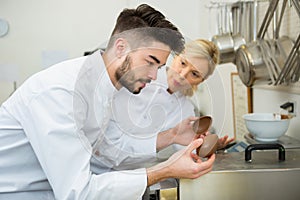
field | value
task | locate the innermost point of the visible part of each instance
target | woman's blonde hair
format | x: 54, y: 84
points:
x: 201, y: 48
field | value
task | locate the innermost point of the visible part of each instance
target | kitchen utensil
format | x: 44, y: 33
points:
x: 266, y: 127
x: 284, y: 45
x: 267, y: 59
x: 248, y: 21
x: 202, y: 125
x: 296, y: 74
x: 243, y: 19
x: 255, y: 61
x: 240, y: 27
x: 290, y: 67
x: 209, y: 146
x: 285, y: 74
x: 272, y: 57
x: 237, y: 37
x: 235, y: 17
x: 250, y: 65
x: 249, y: 59
x: 223, y: 39
x: 278, y: 25
x: 267, y: 19
x: 238, y: 40
x: 225, y: 44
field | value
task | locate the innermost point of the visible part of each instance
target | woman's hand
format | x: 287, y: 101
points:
x: 224, y: 141
x: 184, y: 132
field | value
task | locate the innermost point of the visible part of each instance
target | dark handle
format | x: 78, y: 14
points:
x: 252, y: 147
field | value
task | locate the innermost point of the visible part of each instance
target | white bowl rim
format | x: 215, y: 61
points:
x: 262, y: 120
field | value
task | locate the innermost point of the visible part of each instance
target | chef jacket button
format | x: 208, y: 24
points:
x: 97, y: 153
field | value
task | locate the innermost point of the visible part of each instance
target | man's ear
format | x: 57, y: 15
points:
x: 120, y: 47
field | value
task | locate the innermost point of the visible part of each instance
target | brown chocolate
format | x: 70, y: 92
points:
x: 202, y: 125
x: 209, y: 146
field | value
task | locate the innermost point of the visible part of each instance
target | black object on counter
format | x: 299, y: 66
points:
x: 252, y: 147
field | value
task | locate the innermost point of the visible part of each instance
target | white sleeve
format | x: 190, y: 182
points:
x: 121, y: 185
x: 130, y: 139
x: 135, y: 142
x: 120, y: 150
x: 64, y: 152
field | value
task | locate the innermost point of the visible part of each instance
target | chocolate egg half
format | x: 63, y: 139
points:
x: 202, y: 125
x: 209, y: 146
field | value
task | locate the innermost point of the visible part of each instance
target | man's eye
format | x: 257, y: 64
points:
x: 150, y: 63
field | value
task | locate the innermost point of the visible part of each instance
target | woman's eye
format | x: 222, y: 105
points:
x: 195, y: 74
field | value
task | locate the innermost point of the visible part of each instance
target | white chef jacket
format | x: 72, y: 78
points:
x: 130, y: 139
x: 48, y: 130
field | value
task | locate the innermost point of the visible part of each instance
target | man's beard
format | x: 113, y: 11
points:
x: 126, y: 77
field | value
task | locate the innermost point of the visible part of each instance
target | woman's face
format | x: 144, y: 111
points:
x: 184, y: 73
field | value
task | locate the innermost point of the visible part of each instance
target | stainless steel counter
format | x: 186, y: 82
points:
x: 235, y: 179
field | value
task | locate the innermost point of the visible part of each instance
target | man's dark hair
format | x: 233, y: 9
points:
x: 145, y: 16
x: 143, y: 37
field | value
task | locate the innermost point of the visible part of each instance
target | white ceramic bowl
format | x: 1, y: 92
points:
x: 266, y: 127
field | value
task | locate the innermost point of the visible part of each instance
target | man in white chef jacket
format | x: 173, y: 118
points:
x: 51, y: 124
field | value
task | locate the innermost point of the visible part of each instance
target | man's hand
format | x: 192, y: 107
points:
x: 182, y: 164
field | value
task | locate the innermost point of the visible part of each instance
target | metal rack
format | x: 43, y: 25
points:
x: 291, y: 69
